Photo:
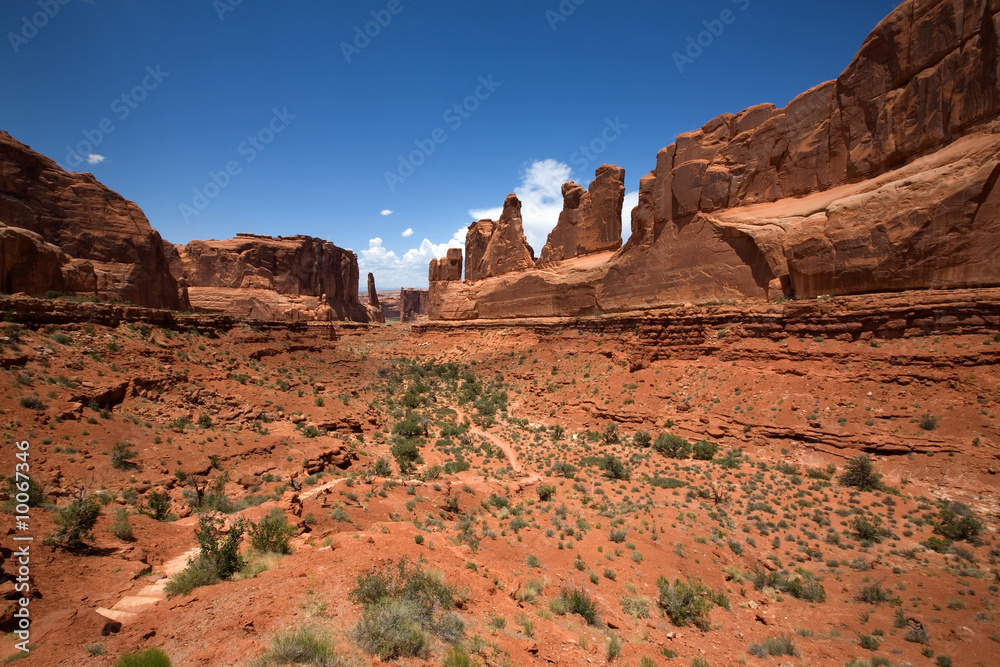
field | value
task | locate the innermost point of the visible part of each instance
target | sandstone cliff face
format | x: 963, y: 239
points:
x: 495, y: 248
x: 885, y: 179
x: 590, y: 221
x: 265, y: 277
x: 87, y: 240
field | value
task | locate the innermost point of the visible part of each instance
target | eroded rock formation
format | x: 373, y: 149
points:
x: 885, y: 179
x: 495, y: 248
x: 81, y: 238
x: 374, y: 308
x: 263, y: 277
x: 591, y: 221
x: 448, y: 268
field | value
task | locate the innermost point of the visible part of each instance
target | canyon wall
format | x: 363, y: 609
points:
x: 264, y: 277
x: 66, y: 232
x: 883, y: 180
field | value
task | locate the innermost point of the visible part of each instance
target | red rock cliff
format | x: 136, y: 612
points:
x: 270, y: 277
x: 885, y: 179
x: 67, y: 232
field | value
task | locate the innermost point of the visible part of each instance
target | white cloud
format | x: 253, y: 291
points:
x: 540, y: 193
x: 409, y: 270
x: 386, y: 212
x: 541, y: 202
x: 94, y: 158
x: 631, y: 201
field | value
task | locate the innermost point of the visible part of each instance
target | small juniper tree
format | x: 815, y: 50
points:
x: 860, y: 473
x: 75, y: 521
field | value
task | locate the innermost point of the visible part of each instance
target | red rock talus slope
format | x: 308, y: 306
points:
x: 885, y: 179
x: 67, y: 232
x: 265, y: 277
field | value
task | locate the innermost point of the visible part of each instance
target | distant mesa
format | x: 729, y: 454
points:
x: 405, y: 305
x: 883, y: 180
x: 271, y: 278
x: 65, y: 232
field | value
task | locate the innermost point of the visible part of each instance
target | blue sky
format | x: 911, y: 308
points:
x: 281, y: 118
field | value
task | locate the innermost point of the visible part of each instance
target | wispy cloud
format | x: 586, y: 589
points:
x: 540, y: 193
x: 386, y: 212
x: 409, y: 269
x: 94, y: 158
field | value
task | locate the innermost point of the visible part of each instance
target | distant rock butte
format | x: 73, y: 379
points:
x: 374, y: 308
x: 264, y: 277
x: 406, y: 305
x: 885, y: 179
x: 66, y: 232
x: 413, y: 304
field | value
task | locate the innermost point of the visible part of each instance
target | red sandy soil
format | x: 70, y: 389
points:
x: 802, y: 403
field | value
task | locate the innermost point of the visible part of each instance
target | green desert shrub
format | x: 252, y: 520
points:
x: 151, y: 657
x: 704, y: 450
x: 219, y: 556
x: 860, y: 473
x: 773, y: 646
x: 687, y: 602
x: 271, y: 533
x: 802, y: 585
x: 122, y: 455
x: 956, y: 521
x: 576, y: 600
x: 75, y: 521
x: 672, y: 446
x: 304, y: 646
x: 401, y: 607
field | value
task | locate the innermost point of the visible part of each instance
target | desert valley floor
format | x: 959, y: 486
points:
x: 569, y: 486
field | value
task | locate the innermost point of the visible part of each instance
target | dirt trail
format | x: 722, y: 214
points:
x: 504, y: 446
x: 130, y: 606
